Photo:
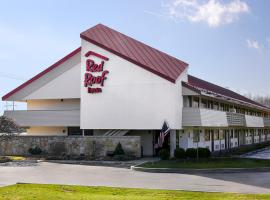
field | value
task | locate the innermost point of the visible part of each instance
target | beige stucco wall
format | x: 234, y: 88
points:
x: 42, y: 130
x: 53, y: 104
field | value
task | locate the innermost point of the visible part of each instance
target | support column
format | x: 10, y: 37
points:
x: 172, y: 142
x: 83, y: 132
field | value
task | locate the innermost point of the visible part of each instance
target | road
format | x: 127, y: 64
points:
x: 71, y: 174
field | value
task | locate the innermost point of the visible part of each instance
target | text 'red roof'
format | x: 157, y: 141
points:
x: 136, y: 52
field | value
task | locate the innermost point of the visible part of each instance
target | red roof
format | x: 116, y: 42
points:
x: 204, y: 85
x: 136, y: 52
x: 42, y: 73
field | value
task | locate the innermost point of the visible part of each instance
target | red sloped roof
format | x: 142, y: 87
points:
x: 204, y: 85
x: 136, y: 52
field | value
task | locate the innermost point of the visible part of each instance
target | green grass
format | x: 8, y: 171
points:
x: 209, y: 163
x: 58, y: 192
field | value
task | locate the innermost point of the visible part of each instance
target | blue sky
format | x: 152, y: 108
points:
x: 225, y: 42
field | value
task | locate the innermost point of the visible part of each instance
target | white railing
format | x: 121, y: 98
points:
x: 236, y: 119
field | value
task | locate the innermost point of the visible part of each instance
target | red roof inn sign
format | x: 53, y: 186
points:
x: 91, y: 80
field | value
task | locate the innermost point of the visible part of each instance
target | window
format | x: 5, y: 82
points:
x: 222, y: 106
x: 88, y: 132
x: 196, y: 135
x: 189, y: 101
x: 74, y: 131
x: 226, y: 107
x: 210, y: 104
x: 236, y: 133
x: 231, y: 134
x: 216, y: 105
x: 204, y: 103
x: 196, y: 101
x: 221, y: 135
x: 207, y: 135
x: 216, y: 135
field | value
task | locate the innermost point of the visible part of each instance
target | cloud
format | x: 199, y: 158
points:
x: 253, y: 44
x: 214, y: 12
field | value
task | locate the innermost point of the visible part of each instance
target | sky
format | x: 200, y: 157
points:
x: 226, y: 42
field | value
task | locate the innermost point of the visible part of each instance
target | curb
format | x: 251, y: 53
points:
x: 200, y: 171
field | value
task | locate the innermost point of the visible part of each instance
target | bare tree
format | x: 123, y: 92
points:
x: 8, y: 127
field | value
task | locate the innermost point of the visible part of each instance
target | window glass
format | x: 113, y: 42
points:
x: 216, y: 135
x: 210, y: 104
x: 221, y: 135
x: 216, y: 105
x: 204, y: 103
x: 88, y: 132
x: 222, y: 106
x: 236, y: 133
x: 74, y: 131
x: 190, y: 101
x: 196, y: 135
x: 231, y: 134
x: 207, y: 135
x: 196, y: 102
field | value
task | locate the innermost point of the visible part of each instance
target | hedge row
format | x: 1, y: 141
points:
x: 180, y: 153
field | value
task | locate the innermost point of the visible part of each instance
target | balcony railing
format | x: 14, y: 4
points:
x: 26, y: 118
x: 266, y: 121
x: 202, y: 117
x: 253, y: 121
x: 236, y: 119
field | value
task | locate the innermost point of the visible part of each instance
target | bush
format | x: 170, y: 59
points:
x: 35, y: 151
x: 164, y: 154
x: 204, y: 153
x: 5, y: 159
x: 179, y: 153
x: 191, y: 153
x: 119, y: 150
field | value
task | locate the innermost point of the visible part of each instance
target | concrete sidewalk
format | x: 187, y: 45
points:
x: 55, y: 173
x: 259, y: 154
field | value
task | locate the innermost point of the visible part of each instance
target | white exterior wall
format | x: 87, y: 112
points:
x: 42, y: 130
x: 132, y: 97
x: 63, y: 82
x: 53, y: 104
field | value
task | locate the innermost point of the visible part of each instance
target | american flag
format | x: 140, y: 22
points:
x: 163, y: 133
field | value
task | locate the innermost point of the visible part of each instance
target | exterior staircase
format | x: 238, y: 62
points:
x: 116, y: 132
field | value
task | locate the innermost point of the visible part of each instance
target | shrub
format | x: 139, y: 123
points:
x: 204, y: 153
x: 120, y: 157
x: 191, y: 153
x: 179, y: 153
x: 4, y: 159
x: 164, y: 154
x: 119, y: 150
x: 35, y: 151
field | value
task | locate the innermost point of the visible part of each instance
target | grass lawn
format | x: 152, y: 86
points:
x: 51, y: 192
x: 209, y: 163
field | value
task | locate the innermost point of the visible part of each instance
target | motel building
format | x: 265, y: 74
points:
x: 113, y: 85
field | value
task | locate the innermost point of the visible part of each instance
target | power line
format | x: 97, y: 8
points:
x: 11, y: 76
